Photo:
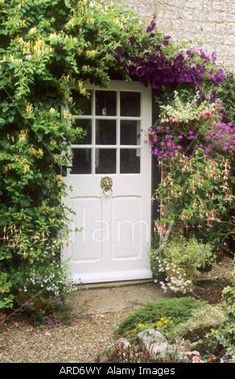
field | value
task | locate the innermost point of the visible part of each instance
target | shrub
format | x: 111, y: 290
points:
x: 200, y: 323
x: 226, y: 93
x: 170, y: 312
x: 6, y: 299
x: 175, y: 263
x: 226, y: 334
x: 192, y: 137
x: 42, y: 291
x: 196, y: 195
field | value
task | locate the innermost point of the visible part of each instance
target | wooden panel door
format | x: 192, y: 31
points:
x: 115, y: 225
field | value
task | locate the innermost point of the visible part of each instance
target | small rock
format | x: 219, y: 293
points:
x: 158, y: 348
x: 154, y: 343
x: 122, y: 344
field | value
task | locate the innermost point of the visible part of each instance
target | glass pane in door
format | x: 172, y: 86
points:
x: 81, y: 161
x: 81, y: 103
x: 130, y: 132
x: 130, y: 161
x: 105, y: 161
x: 130, y: 104
x: 106, y: 132
x: 85, y: 137
x: 106, y: 103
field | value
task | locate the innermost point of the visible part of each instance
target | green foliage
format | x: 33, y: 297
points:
x: 43, y: 291
x: 176, y: 262
x: 196, y: 193
x: 226, y: 93
x: 193, y: 138
x: 164, y: 314
x: 6, y: 299
x: 163, y: 325
x: 185, y: 107
x: 48, y: 48
x: 201, y: 322
x: 226, y: 334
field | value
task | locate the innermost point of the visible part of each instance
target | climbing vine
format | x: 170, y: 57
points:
x: 49, y: 49
x: 193, y: 142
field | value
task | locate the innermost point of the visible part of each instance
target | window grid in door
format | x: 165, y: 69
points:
x: 99, y: 151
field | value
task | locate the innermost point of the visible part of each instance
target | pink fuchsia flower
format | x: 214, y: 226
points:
x: 192, y: 353
x: 212, y: 358
x: 195, y: 356
x: 206, y: 114
x: 191, y: 135
x: 172, y: 120
x: 196, y: 359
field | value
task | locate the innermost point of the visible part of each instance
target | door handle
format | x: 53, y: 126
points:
x: 106, y: 184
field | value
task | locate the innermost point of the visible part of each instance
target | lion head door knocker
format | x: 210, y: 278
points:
x: 106, y: 185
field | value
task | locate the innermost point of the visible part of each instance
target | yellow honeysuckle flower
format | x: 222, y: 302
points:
x: 29, y: 108
x: 58, y: 179
x: 22, y: 135
x: 32, y: 30
x: 6, y: 168
x: 26, y: 168
x: 67, y: 116
x: 91, y: 53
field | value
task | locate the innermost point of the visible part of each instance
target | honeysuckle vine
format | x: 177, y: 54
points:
x: 47, y: 48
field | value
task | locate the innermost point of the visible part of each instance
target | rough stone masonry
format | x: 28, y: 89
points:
x: 207, y: 23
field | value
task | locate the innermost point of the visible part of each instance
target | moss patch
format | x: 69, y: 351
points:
x: 163, y: 315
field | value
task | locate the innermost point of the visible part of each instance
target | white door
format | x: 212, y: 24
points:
x: 115, y: 223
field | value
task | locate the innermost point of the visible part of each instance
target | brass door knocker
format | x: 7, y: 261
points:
x: 106, y: 185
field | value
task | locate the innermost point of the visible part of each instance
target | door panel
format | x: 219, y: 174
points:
x: 126, y: 228
x: 115, y: 224
x: 84, y: 248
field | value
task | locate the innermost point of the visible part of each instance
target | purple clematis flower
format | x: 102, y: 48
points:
x: 217, y: 77
x: 151, y: 26
x: 118, y: 52
x: 213, y: 57
x: 166, y: 40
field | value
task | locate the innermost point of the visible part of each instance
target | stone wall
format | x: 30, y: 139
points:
x: 207, y: 23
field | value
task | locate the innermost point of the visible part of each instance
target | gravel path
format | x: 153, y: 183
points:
x: 86, y: 337
x: 100, y: 310
x: 79, y: 342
